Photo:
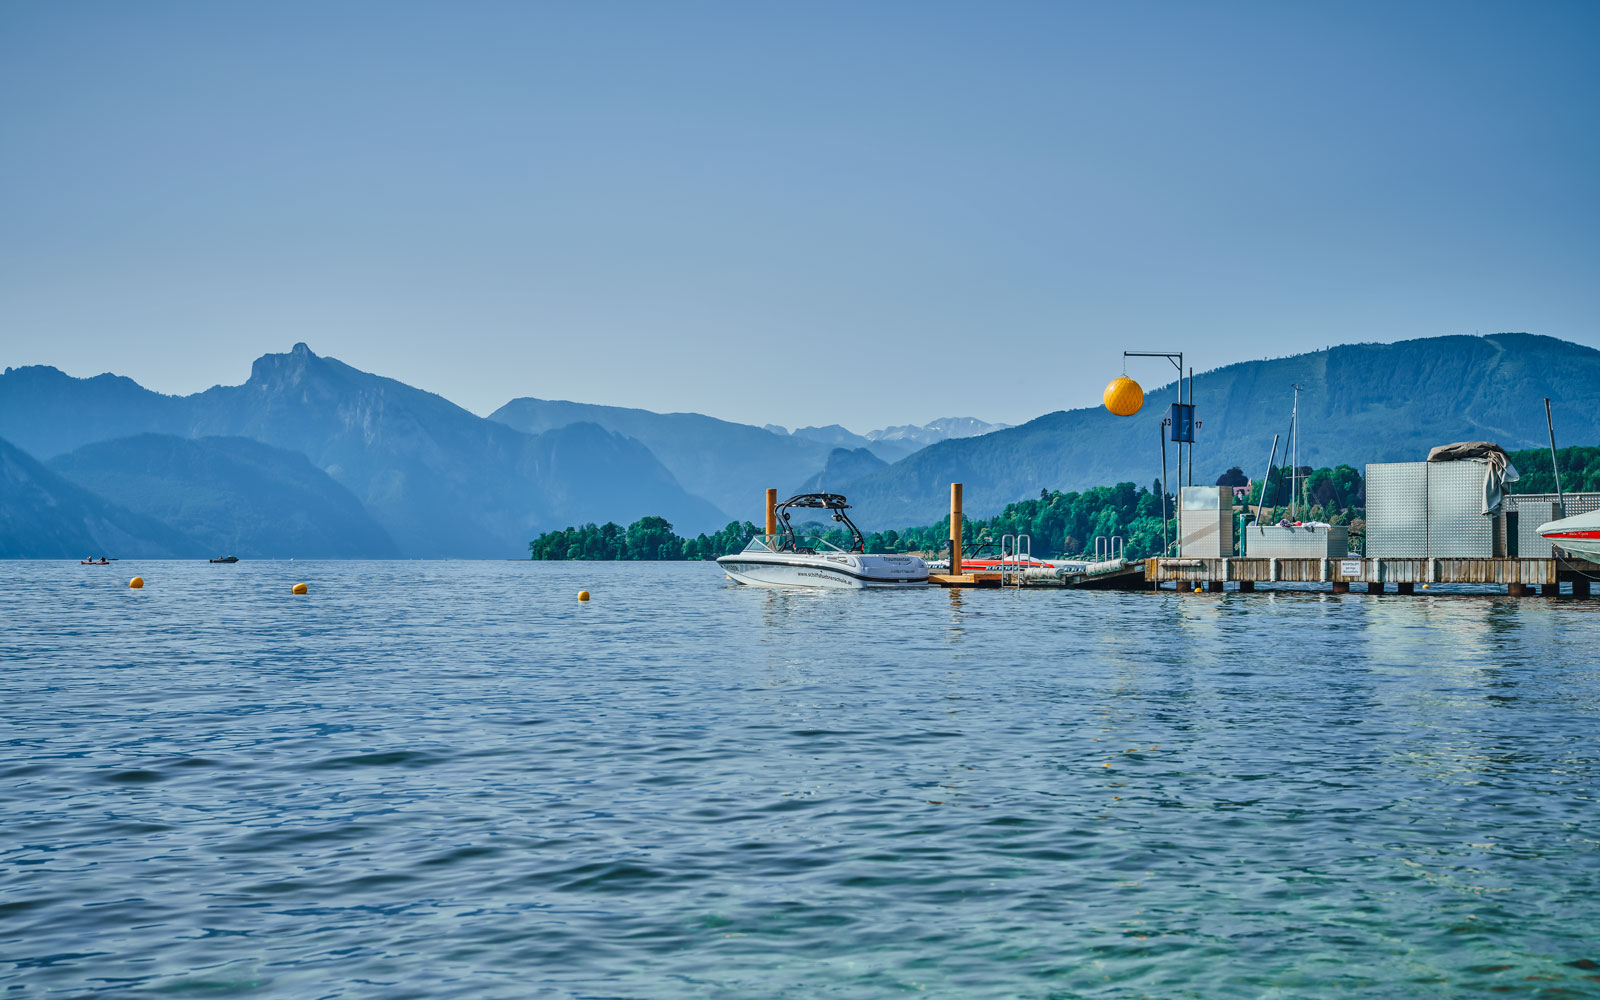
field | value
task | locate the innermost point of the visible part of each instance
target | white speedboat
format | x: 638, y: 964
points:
x: 1578, y: 534
x: 782, y: 560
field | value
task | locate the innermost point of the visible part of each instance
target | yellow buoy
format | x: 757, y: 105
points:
x: 137, y: 583
x: 583, y: 595
x: 1123, y: 396
x: 1197, y: 590
x: 298, y: 588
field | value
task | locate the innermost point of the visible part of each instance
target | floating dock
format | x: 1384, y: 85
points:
x: 1520, y: 577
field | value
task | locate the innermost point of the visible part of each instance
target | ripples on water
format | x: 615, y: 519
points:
x: 432, y: 779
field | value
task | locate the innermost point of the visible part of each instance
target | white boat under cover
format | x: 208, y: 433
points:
x: 820, y: 564
x: 1578, y: 534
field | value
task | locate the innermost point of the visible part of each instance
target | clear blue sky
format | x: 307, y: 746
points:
x: 796, y: 213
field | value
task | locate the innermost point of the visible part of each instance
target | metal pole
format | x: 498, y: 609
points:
x: 1550, y: 425
x: 1191, y: 427
x: 1178, y: 473
x: 1165, y: 545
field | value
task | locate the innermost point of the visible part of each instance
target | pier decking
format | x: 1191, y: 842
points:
x: 1520, y: 577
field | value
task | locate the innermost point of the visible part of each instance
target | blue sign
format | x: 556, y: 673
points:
x: 1182, y: 418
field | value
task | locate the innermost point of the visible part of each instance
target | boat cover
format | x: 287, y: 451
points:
x: 1497, y: 472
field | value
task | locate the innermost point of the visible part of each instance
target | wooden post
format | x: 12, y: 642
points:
x: 772, y: 512
x: 955, y: 529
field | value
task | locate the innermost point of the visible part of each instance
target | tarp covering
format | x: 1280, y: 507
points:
x: 1497, y: 472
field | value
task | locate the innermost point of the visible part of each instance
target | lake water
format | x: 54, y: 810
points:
x: 453, y: 779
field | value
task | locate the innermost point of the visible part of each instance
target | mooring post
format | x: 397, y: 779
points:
x: 772, y: 512
x: 955, y: 529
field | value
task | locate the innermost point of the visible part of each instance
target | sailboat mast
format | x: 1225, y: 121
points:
x: 1294, y: 462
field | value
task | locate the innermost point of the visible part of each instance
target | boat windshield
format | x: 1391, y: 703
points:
x: 773, y: 543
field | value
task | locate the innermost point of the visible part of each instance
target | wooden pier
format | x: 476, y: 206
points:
x: 1519, y: 576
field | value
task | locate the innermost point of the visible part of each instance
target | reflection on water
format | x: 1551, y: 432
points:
x: 452, y: 778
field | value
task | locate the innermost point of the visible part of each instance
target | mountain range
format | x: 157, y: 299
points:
x: 1359, y: 403
x: 310, y: 456
x: 439, y: 480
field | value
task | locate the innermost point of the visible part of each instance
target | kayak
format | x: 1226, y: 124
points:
x: 94, y: 562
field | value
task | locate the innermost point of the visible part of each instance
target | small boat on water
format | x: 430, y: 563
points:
x: 225, y: 559
x: 783, y: 560
x: 102, y: 561
x: 1578, y: 534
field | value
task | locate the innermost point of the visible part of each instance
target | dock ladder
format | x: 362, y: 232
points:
x: 1108, y: 548
x: 1016, y: 552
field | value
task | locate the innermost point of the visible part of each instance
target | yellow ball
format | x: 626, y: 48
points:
x: 137, y: 583
x: 1123, y: 396
x: 298, y: 588
x: 583, y: 595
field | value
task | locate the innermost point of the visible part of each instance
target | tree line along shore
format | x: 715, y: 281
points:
x: 1063, y: 524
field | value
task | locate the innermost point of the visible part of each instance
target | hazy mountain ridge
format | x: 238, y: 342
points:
x: 727, y: 463
x: 440, y: 480
x: 843, y: 466
x: 1360, y: 403
x: 230, y: 495
x: 43, y: 515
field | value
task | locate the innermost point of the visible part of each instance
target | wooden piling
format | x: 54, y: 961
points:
x: 1580, y: 588
x: 1549, y: 590
x: 955, y: 529
x: 772, y: 512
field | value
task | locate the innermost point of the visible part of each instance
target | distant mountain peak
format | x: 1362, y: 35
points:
x: 936, y: 430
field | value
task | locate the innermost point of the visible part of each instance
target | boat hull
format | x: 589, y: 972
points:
x: 832, y: 572
x: 1579, y: 534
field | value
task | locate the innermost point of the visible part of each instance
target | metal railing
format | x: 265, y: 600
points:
x: 1108, y: 548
